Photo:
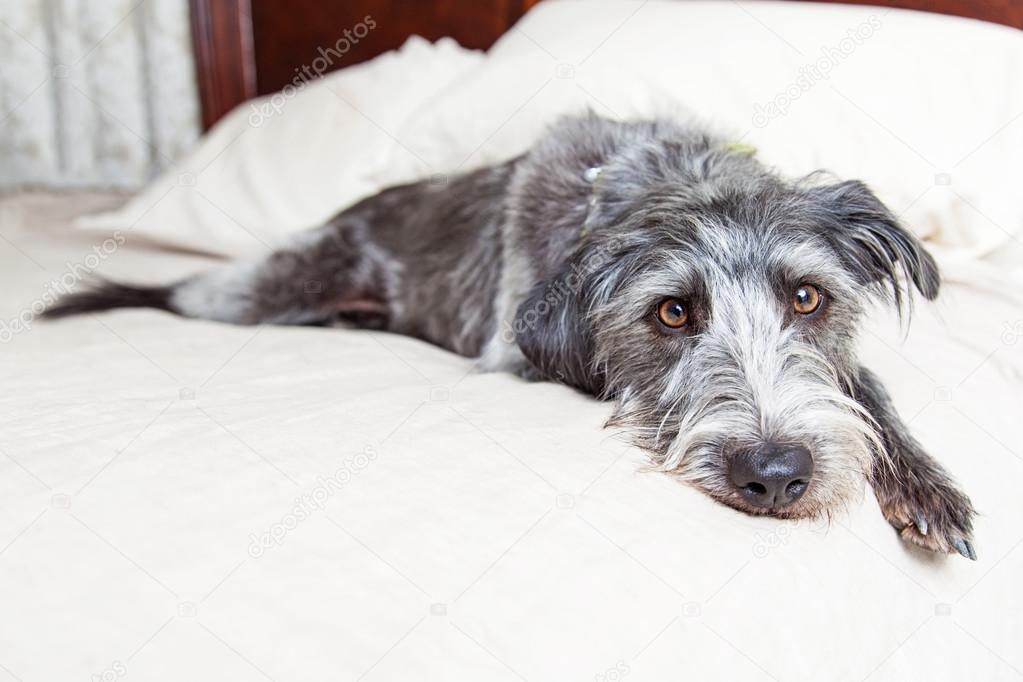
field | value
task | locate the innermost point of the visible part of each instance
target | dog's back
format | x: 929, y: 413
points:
x: 445, y: 259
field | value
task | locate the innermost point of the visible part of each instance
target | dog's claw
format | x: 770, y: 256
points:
x: 921, y: 523
x: 941, y: 530
x: 965, y: 548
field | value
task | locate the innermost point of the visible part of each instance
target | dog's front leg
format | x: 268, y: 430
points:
x: 916, y: 494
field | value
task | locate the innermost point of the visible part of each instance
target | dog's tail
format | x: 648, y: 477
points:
x: 314, y: 279
x: 237, y: 293
x: 104, y: 295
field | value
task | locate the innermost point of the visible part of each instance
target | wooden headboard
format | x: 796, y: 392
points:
x: 247, y: 48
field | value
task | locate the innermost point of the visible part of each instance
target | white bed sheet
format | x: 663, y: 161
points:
x: 473, y: 526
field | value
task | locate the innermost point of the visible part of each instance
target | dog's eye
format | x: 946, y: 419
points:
x: 672, y: 313
x: 806, y: 299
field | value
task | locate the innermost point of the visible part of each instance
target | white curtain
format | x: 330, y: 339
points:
x: 94, y: 93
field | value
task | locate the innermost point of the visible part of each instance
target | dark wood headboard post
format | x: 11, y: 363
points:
x: 224, y: 58
x: 247, y: 48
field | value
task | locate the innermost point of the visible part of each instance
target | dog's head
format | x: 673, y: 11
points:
x: 722, y: 319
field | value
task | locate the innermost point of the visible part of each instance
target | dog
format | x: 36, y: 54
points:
x: 648, y: 263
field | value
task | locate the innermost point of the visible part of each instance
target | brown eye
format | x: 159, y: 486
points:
x: 806, y: 299
x: 672, y: 313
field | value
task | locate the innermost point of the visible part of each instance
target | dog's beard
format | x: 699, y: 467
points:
x: 829, y: 425
x: 703, y: 415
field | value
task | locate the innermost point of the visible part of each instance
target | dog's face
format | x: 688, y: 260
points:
x: 724, y: 327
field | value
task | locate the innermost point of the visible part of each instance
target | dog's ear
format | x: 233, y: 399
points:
x: 552, y: 331
x: 873, y: 243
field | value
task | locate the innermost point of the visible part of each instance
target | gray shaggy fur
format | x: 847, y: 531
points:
x: 552, y: 265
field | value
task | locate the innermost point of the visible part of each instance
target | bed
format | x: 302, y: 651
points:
x: 188, y: 500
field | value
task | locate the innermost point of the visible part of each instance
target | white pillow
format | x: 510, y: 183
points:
x: 919, y: 105
x: 288, y: 162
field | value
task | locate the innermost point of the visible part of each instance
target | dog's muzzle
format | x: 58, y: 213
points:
x: 773, y: 475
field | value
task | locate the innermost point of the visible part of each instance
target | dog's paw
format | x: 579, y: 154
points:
x: 932, y: 514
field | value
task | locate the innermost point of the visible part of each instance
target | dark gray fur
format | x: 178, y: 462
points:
x: 546, y: 268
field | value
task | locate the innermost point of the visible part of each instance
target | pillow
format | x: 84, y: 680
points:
x: 925, y: 108
x: 287, y: 162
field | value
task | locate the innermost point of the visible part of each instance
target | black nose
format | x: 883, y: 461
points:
x: 772, y: 476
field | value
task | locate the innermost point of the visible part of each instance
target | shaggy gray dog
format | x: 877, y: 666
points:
x: 654, y: 265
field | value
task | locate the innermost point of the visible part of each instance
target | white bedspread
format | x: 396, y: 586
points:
x: 184, y: 500
x: 425, y: 521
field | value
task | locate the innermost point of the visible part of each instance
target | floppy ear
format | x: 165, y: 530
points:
x: 552, y: 332
x: 873, y: 243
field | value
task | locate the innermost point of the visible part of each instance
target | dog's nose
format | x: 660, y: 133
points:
x: 772, y: 476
